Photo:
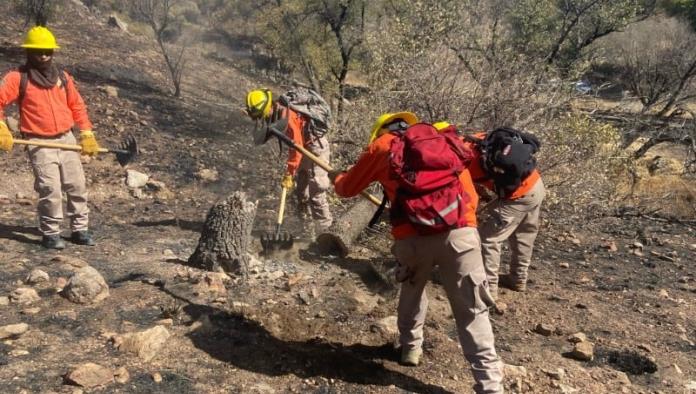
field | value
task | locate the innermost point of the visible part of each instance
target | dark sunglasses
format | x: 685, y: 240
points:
x: 41, y: 52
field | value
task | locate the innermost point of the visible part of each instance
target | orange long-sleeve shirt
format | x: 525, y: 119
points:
x: 295, y: 130
x: 479, y: 175
x: 373, y: 165
x: 45, y: 112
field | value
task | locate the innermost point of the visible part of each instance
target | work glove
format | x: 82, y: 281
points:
x: 6, y: 140
x: 89, y: 144
x: 287, y: 182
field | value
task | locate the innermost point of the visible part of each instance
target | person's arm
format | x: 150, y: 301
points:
x: 9, y: 91
x: 373, y: 163
x: 77, y: 105
x: 294, y: 131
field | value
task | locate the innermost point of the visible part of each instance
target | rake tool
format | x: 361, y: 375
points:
x: 125, y: 153
x: 278, y: 241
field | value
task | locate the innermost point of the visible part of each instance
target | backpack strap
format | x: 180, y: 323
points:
x: 380, y: 209
x: 24, y: 82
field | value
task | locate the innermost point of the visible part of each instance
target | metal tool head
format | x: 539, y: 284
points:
x: 276, y: 241
x: 263, y: 132
x: 127, y: 150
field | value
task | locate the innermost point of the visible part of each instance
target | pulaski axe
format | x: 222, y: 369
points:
x: 125, y: 153
x: 277, y: 129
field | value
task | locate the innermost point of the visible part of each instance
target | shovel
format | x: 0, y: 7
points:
x: 125, y: 153
x: 278, y: 241
x: 278, y: 129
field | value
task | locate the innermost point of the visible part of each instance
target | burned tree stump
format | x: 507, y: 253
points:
x: 226, y: 235
x: 345, y: 230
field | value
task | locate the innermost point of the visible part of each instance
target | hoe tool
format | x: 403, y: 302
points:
x: 125, y: 153
x: 277, y: 129
x: 278, y: 241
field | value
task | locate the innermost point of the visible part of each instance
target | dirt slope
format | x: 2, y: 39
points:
x: 303, y: 322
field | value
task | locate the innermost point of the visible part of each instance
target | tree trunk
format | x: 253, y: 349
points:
x: 345, y: 230
x: 226, y: 235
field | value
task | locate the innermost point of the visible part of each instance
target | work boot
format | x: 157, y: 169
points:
x: 411, y: 356
x: 510, y: 282
x: 53, y: 242
x: 82, y: 238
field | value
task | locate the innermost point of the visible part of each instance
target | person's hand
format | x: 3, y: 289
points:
x: 6, y: 140
x: 287, y: 182
x: 333, y: 174
x: 89, y: 143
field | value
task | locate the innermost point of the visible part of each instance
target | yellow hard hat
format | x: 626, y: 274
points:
x: 439, y: 126
x: 385, y: 119
x: 258, y: 103
x: 39, y: 37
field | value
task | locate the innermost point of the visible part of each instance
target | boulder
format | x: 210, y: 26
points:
x: 90, y: 375
x: 86, y: 286
x: 145, y: 344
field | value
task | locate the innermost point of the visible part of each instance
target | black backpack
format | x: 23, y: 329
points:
x: 507, y: 157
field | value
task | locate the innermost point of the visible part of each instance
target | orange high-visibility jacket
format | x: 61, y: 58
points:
x: 295, y: 130
x: 373, y: 165
x: 45, y: 112
x: 480, y: 176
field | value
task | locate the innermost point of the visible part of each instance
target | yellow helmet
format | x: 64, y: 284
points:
x: 385, y: 119
x: 258, y: 103
x: 439, y: 126
x: 39, y: 37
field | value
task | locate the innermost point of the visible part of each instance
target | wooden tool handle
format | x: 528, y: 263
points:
x: 55, y: 145
x: 327, y: 167
x: 281, y: 210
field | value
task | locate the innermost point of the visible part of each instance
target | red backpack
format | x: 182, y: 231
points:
x: 426, y: 164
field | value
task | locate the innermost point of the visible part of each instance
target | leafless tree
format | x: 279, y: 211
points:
x: 158, y: 15
x: 37, y: 11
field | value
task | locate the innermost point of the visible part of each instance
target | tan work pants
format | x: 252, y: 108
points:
x: 518, y: 222
x: 458, y: 255
x: 313, y: 182
x: 57, y: 171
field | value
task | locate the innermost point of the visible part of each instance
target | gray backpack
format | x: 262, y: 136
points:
x: 310, y: 104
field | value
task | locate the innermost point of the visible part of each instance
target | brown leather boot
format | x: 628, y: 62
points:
x: 509, y: 282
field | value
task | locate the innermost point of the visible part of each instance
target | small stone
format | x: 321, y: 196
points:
x: 610, y: 246
x: 646, y: 347
x: 583, y: 351
x: 157, y: 377
x: 121, y: 375
x: 556, y: 374
x: 663, y: 293
x: 515, y: 371
x: 13, y: 330
x: 567, y: 389
x: 386, y: 326
x: 31, y: 311
x: 4, y: 300
x: 90, y: 375
x: 18, y: 352
x: 207, y: 174
x: 544, y: 329
x: 577, y: 337
x: 145, y: 344
x: 165, y: 322
x: 24, y: 295
x: 136, y: 179
x: 110, y: 91
x: 86, y: 286
x: 37, y: 276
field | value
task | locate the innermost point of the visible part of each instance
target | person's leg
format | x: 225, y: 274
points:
x: 74, y: 185
x: 464, y: 280
x: 47, y: 183
x: 502, y: 221
x: 522, y: 239
x: 319, y: 183
x: 413, y: 300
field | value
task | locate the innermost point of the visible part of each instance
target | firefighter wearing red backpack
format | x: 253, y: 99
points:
x: 49, y: 107
x: 433, y: 215
x: 504, y: 163
x: 308, y: 117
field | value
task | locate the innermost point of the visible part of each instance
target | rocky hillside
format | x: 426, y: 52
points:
x: 610, y: 309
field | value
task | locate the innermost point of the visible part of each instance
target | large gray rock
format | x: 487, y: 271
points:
x: 24, y: 295
x: 135, y: 179
x: 145, y: 344
x: 90, y: 375
x: 115, y: 21
x: 13, y: 330
x: 86, y: 286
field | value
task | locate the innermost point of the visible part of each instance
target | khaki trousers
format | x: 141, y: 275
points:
x: 457, y: 253
x: 57, y: 171
x: 313, y: 182
x: 516, y: 221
